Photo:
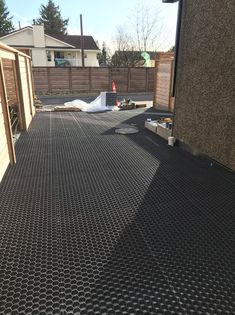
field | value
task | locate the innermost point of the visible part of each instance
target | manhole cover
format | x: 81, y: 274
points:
x: 126, y: 131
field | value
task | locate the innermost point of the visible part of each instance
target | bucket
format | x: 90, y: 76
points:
x: 171, y: 141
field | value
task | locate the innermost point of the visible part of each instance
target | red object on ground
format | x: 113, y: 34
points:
x: 114, y: 90
x: 113, y: 87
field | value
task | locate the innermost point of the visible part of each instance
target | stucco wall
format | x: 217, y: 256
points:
x: 205, y: 94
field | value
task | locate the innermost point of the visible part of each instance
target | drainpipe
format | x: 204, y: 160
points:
x: 177, y: 43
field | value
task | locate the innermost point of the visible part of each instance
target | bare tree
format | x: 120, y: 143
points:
x: 126, y: 54
x: 146, y: 26
x: 124, y: 40
x: 141, y: 33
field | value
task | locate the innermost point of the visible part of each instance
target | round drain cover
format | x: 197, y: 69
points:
x: 126, y: 131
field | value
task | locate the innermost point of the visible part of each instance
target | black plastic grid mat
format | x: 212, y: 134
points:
x: 92, y: 222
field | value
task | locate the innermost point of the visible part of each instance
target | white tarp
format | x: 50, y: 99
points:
x: 95, y: 106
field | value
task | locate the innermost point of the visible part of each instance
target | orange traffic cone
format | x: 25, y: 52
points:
x: 114, y: 90
x: 114, y: 87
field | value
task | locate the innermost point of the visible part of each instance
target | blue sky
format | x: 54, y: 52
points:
x: 100, y: 18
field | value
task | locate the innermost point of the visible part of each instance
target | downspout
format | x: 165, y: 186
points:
x: 177, y: 43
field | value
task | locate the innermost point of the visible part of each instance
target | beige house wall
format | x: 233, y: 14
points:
x: 38, y: 41
x: 204, y: 102
x: 91, y: 60
x: 54, y: 43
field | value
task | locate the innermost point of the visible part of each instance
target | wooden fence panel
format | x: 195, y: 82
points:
x: 99, y: 79
x: 8, y: 69
x: 41, y: 80
x: 150, y: 79
x: 92, y: 79
x: 163, y: 78
x: 121, y: 77
x: 80, y: 79
x: 137, y: 80
x: 59, y: 79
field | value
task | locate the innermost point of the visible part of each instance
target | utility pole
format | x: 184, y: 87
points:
x: 82, y: 42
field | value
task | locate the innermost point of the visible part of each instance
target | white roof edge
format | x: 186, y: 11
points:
x: 75, y: 49
x: 93, y: 50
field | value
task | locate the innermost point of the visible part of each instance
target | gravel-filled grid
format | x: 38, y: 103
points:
x: 93, y: 222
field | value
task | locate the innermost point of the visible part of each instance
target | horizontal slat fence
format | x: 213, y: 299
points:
x: 163, y: 82
x: 92, y: 79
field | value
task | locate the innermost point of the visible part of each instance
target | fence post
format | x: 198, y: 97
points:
x: 31, y: 78
x: 90, y: 83
x: 29, y: 86
x: 109, y: 79
x: 146, y: 79
x: 129, y: 79
x: 49, y: 79
x: 17, y: 93
x: 155, y: 81
x: 70, y: 79
x: 20, y: 89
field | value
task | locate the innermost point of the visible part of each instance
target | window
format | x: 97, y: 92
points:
x: 48, y: 55
x: 59, y: 54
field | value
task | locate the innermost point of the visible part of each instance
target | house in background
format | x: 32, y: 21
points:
x: 50, y: 51
x: 204, y: 79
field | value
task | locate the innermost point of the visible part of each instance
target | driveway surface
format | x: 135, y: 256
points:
x: 93, y: 222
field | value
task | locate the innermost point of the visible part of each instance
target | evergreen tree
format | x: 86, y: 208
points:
x: 103, y: 56
x: 6, y: 24
x: 51, y: 17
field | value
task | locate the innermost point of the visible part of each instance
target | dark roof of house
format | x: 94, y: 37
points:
x: 75, y: 40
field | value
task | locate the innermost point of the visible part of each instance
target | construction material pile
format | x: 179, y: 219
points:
x: 98, y: 105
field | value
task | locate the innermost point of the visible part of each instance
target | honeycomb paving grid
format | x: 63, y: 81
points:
x: 96, y: 223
